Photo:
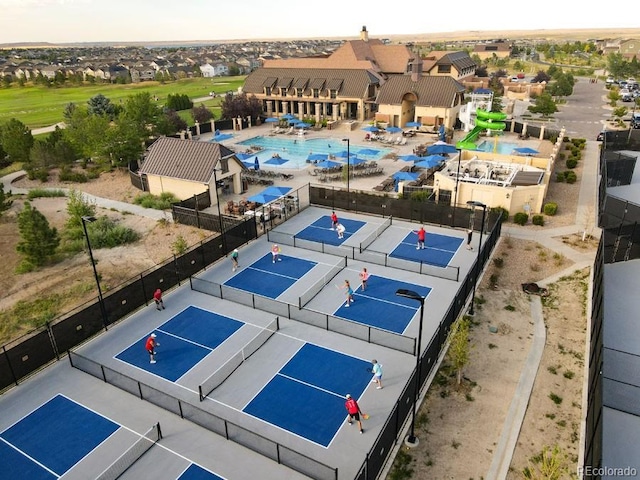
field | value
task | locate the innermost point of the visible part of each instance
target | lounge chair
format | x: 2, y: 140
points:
x: 397, y: 141
x: 403, y: 141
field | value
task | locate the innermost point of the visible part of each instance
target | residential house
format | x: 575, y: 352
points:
x: 492, y: 50
x: 457, y: 65
x: 208, y: 70
x: 186, y: 168
x: 142, y: 74
x: 630, y: 48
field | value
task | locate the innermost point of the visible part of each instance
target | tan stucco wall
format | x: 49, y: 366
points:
x: 180, y: 188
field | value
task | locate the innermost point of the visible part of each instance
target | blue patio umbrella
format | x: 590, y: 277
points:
x: 256, y: 164
x: 276, y: 161
x: 222, y: 137
x: 275, y: 190
x: 405, y: 176
x: 271, y: 120
x: 525, y: 151
x: 317, y: 157
x: 410, y: 158
x: 368, y: 151
x: 329, y: 164
x: 356, y: 161
x: 413, y: 124
x: 393, y: 129
x: 343, y: 154
x: 243, y: 156
x: 370, y: 128
x: 287, y: 116
x: 439, y: 148
x: 429, y: 162
x: 249, y: 165
x: 302, y: 125
x: 262, y: 198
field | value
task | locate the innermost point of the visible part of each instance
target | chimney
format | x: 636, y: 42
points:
x: 416, y: 69
x: 364, y: 36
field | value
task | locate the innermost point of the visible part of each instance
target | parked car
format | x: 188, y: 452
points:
x: 635, y: 120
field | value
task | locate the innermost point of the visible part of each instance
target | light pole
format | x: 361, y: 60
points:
x: 215, y: 182
x: 348, y: 173
x: 412, y: 440
x: 89, y: 219
x: 474, y: 204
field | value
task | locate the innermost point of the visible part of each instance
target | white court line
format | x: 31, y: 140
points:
x: 376, y: 299
x: 192, y: 463
x: 31, y: 458
x: 272, y: 273
x: 325, y: 228
x: 187, y: 340
x: 310, y: 385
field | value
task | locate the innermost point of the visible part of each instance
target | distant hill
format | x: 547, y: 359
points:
x: 560, y: 36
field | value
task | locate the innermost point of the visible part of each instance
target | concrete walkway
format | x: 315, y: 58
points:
x: 585, y: 209
x: 152, y: 213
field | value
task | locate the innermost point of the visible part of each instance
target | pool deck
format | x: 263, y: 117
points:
x: 356, y: 137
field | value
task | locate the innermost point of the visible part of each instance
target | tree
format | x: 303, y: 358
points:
x: 459, y: 347
x: 101, y: 105
x: 201, y: 114
x: 16, y: 140
x: 179, y: 102
x: 142, y: 114
x: 5, y: 199
x: 540, y: 77
x: 241, y: 106
x: 545, y: 105
x: 170, y: 123
x: 481, y: 71
x: 87, y: 133
x: 38, y: 241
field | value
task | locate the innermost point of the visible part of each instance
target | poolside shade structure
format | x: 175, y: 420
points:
x: 317, y: 157
x: 276, y: 161
x: 271, y: 120
x: 413, y: 124
x: 393, y: 129
x: 370, y: 128
x: 275, y: 190
x: 287, y: 116
x: 440, y: 148
x: 328, y: 164
x: 269, y: 194
x: 429, y: 161
x: 406, y: 176
x: 344, y: 154
x: 410, y: 158
x: 243, y: 156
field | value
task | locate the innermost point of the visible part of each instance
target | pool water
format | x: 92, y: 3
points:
x: 503, y: 148
x: 294, y: 151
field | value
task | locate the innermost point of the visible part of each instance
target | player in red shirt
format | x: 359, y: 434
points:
x: 422, y: 235
x: 334, y: 220
x: 354, y: 411
x: 151, y: 347
x: 157, y: 297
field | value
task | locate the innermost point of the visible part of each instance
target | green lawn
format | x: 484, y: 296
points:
x: 40, y: 106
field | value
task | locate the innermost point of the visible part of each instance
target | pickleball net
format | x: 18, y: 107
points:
x: 375, y: 234
x: 218, y: 377
x: 133, y: 454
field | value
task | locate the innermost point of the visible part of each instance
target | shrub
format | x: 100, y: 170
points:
x: 498, y: 262
x: 550, y: 208
x: 41, y: 193
x: 570, y: 177
x: 560, y: 177
x: 520, y: 218
x: 71, y: 176
x: 503, y: 212
x: 538, y: 220
x: 561, y: 156
x: 162, y: 202
x: 571, y: 162
x: 420, y: 196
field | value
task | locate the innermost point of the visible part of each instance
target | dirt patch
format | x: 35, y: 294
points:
x: 73, y: 276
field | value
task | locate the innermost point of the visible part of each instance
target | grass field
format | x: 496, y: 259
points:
x: 37, y: 106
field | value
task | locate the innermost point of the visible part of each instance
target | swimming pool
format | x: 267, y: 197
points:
x: 293, y: 152
x: 491, y: 146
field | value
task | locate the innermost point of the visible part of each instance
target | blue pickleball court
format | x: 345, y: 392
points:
x: 196, y: 472
x: 439, y: 249
x: 184, y: 341
x: 263, y: 277
x: 380, y: 307
x: 320, y: 231
x: 306, y: 397
x: 51, y: 440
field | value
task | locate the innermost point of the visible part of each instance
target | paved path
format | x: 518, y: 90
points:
x: 99, y: 201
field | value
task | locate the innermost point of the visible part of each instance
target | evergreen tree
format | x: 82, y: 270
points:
x: 38, y: 241
x: 5, y: 201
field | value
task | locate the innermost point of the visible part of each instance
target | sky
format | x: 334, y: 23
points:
x: 69, y: 21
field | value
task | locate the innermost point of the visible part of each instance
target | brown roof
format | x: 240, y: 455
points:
x: 350, y: 83
x: 355, y: 54
x: 430, y: 90
x: 184, y: 159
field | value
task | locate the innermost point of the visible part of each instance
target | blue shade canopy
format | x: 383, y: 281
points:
x: 271, y: 120
x: 276, y: 161
x: 413, y: 124
x: 317, y: 157
x: 439, y: 148
x: 393, y: 129
x: 275, y: 190
x: 243, y: 156
x: 429, y: 162
x: 302, y: 125
x: 328, y: 164
x: 222, y: 137
x: 370, y: 128
x: 288, y: 116
x: 405, y: 176
x: 262, y: 198
x: 410, y: 158
x: 343, y: 154
x: 356, y: 161
x: 525, y: 151
x: 368, y: 151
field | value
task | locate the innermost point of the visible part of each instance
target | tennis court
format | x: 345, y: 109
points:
x: 379, y: 306
x: 438, y: 250
x: 185, y: 339
x: 268, y: 278
x: 306, y: 396
x: 321, y: 231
